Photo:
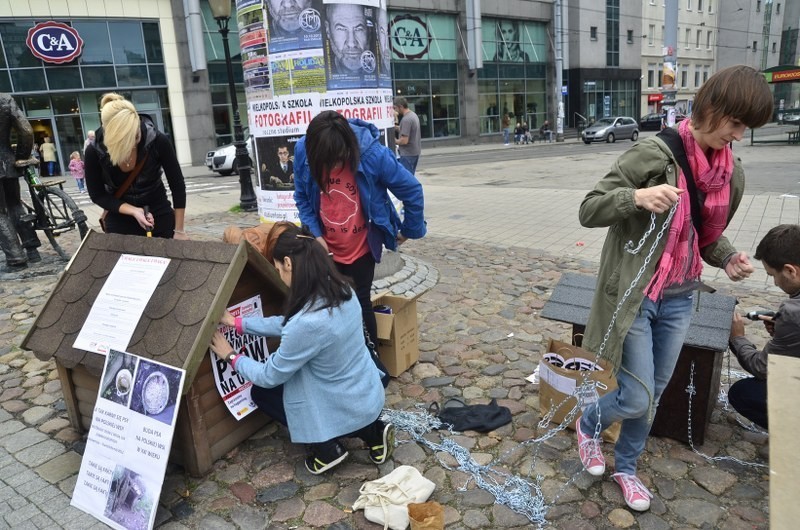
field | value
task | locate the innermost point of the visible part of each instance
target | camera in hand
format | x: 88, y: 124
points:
x: 754, y: 315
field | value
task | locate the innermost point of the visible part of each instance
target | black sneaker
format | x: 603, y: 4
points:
x: 324, y: 456
x: 382, y: 450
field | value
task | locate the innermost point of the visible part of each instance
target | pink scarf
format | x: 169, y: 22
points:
x: 713, y: 178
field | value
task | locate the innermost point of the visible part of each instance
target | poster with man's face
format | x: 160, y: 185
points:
x: 294, y: 24
x: 350, y: 45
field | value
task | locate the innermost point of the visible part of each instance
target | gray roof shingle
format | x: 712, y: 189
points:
x: 711, y: 322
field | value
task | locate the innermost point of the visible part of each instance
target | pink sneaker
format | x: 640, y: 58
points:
x: 590, y: 453
x: 637, y: 497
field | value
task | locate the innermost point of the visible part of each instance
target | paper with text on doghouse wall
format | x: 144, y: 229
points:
x: 232, y: 387
x: 119, y: 306
x: 127, y: 449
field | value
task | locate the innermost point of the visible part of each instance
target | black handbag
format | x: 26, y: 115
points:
x: 385, y: 377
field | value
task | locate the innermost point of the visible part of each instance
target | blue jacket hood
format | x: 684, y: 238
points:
x: 366, y: 133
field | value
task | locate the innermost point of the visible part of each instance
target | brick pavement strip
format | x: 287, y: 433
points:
x: 482, y: 294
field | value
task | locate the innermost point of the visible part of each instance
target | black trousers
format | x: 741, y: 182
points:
x: 362, y: 272
x: 270, y: 401
x: 749, y: 398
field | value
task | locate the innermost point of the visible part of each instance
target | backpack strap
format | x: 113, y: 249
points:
x: 672, y: 139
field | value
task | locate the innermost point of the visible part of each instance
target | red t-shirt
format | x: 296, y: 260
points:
x: 343, y: 220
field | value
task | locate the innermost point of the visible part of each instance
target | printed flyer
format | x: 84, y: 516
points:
x: 123, y: 466
x: 233, y: 388
x: 119, y: 306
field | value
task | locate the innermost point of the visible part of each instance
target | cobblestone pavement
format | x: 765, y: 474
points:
x: 482, y: 294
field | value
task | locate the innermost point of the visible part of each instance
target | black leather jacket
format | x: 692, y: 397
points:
x: 103, y: 178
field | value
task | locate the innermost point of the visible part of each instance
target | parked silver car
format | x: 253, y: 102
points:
x: 223, y: 159
x: 609, y: 129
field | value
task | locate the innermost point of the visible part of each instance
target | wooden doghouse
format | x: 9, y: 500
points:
x: 700, y: 360
x: 202, y: 279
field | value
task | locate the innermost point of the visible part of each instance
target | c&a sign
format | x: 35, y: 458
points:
x: 54, y: 42
x: 410, y: 38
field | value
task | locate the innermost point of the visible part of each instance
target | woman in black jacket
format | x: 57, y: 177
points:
x: 128, y: 141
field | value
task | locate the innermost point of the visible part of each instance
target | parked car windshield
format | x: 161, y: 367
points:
x: 605, y: 121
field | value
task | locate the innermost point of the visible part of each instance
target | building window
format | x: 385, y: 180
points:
x: 697, y: 40
x: 774, y: 47
x: 708, y: 40
x: 651, y: 75
x: 630, y: 36
x: 706, y: 73
x: 688, y: 37
x: 513, y: 87
x: 696, y: 76
x: 758, y: 6
x: 699, y: 6
x: 777, y: 9
x: 684, y: 76
x: 612, y: 32
x: 425, y: 70
x: 688, y: 5
x: 651, y: 35
x: 755, y: 46
x: 710, y: 8
x: 593, y: 32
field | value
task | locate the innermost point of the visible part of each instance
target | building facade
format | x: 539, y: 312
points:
x: 603, y: 67
x: 175, y: 70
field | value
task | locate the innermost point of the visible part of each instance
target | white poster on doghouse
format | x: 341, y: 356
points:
x: 232, y: 387
x: 123, y: 466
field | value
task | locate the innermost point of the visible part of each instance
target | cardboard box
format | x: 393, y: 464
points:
x: 556, y: 384
x: 398, y: 336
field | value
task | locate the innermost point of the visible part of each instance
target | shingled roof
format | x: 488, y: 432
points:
x: 710, y: 327
x: 202, y: 278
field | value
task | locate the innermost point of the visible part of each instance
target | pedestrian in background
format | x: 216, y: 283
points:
x: 128, y: 144
x: 342, y: 176
x: 652, y: 320
x: 321, y: 382
x: 90, y: 136
x: 408, y: 135
x: 76, y: 170
x: 48, y: 151
x: 506, y: 127
x: 779, y: 252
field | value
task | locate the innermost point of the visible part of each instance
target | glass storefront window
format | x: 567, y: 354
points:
x: 96, y: 44
x: 157, y: 75
x: 99, y: 77
x: 17, y: 52
x: 127, y: 43
x: 512, y: 80
x: 63, y: 77
x: 152, y: 42
x: 424, y: 54
x: 65, y: 104
x: 5, y: 82
x: 28, y: 80
x: 132, y: 76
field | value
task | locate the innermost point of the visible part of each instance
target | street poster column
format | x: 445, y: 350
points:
x: 320, y: 55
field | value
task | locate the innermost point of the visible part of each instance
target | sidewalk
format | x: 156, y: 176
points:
x: 496, y: 253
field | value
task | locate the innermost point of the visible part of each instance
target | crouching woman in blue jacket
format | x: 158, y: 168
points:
x: 321, y: 382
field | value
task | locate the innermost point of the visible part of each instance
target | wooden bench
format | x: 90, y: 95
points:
x: 704, y: 346
x: 794, y: 137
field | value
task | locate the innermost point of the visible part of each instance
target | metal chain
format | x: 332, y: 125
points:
x: 691, y: 391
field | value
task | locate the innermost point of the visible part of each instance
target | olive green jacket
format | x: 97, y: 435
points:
x: 648, y: 163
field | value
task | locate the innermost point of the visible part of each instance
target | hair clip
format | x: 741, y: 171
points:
x: 303, y: 236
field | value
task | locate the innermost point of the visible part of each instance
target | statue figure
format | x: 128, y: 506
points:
x: 18, y: 239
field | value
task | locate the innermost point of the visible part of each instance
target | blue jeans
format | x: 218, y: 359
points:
x: 506, y: 134
x: 409, y: 162
x: 649, y: 355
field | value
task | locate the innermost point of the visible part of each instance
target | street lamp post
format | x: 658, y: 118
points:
x: 221, y: 10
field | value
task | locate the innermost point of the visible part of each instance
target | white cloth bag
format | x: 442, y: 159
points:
x: 385, y: 500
